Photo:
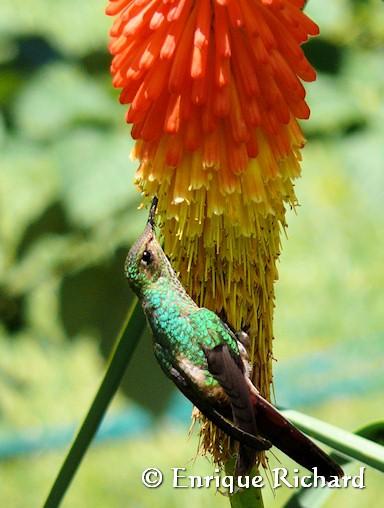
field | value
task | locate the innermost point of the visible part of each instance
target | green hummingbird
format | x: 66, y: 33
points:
x: 208, y: 362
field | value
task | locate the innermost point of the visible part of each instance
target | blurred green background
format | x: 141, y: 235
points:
x: 68, y: 214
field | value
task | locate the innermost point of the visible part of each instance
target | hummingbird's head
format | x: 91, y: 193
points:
x: 146, y: 261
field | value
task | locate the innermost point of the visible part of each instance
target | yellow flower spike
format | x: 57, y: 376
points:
x: 214, y: 93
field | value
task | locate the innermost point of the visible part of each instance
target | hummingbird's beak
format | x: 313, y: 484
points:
x: 152, y: 211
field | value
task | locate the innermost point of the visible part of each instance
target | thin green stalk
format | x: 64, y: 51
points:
x: 245, y: 498
x: 359, y: 448
x: 126, y: 343
x: 316, y: 498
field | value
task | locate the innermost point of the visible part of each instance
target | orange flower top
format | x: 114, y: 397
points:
x: 214, y: 75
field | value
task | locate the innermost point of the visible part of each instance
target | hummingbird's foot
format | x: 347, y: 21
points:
x: 243, y: 338
x: 223, y: 491
x: 244, y: 343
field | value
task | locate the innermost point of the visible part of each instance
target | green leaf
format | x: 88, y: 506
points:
x: 125, y: 346
x: 345, y: 442
x: 315, y: 498
x: 58, y: 96
x: 373, y: 431
x: 96, y: 174
x: 333, y: 19
x: 28, y: 183
x: 74, y: 27
x: 331, y: 108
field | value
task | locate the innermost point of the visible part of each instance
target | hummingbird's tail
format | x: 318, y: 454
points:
x: 290, y: 440
x: 255, y: 415
x: 246, y: 459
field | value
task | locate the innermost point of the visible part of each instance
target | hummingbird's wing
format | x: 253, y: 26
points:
x: 255, y: 442
x: 187, y: 388
x: 228, y: 370
x: 270, y: 422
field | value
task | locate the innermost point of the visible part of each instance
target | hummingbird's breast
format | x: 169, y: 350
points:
x: 181, y: 330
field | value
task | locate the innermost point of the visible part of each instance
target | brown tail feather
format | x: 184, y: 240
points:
x: 245, y: 460
x: 290, y: 440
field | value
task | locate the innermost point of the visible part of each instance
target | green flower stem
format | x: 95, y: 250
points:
x: 245, y: 498
x: 359, y: 448
x: 126, y: 343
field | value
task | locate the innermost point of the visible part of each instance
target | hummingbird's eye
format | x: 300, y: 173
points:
x: 146, y: 258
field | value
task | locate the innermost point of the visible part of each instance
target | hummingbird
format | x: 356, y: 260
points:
x: 209, y: 364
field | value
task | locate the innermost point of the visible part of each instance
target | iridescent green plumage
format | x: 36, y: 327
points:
x: 177, y: 323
